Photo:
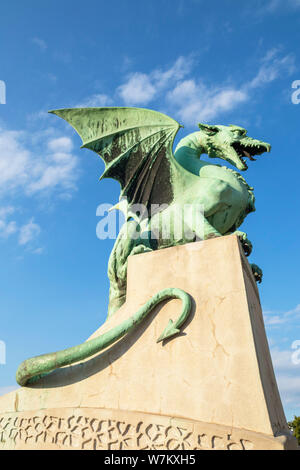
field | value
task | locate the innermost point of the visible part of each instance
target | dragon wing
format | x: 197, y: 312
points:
x: 136, y: 146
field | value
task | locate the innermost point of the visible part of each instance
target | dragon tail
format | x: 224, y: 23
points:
x: 31, y: 370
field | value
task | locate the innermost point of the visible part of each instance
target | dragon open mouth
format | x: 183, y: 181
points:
x: 249, y: 150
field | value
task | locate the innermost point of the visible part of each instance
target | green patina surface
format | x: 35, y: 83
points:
x: 156, y: 187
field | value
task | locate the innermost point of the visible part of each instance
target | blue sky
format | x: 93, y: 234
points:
x: 216, y: 62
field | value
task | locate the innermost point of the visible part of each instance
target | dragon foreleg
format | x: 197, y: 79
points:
x: 33, y: 369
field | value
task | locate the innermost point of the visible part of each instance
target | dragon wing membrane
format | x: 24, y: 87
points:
x: 136, y: 146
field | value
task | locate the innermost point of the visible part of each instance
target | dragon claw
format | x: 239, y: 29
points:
x: 246, y: 244
x: 257, y: 272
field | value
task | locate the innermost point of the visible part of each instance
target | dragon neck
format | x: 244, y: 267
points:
x: 189, y: 151
x: 196, y: 142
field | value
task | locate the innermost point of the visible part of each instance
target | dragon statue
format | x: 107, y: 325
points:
x: 161, y: 193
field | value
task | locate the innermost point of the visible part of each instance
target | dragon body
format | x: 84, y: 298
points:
x: 167, y: 200
x: 208, y: 201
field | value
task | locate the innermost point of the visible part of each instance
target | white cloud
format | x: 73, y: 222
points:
x: 28, y: 232
x: 195, y: 102
x: 31, y: 165
x: 40, y: 43
x: 178, y: 71
x: 5, y: 211
x: 282, y: 360
x: 287, y: 376
x: 191, y: 99
x: 272, y: 67
x: 269, y: 7
x: 273, y: 318
x: 289, y: 387
x: 7, y: 228
x: 51, y: 77
x: 58, y: 171
x: 95, y: 101
x: 36, y: 171
x: 294, y: 311
x: 137, y: 90
x: 64, y: 144
x: 286, y: 361
x: 141, y: 88
x: 273, y: 5
x: 37, y: 116
x: 14, y: 160
x: 38, y: 251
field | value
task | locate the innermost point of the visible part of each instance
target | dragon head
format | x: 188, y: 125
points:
x: 231, y: 143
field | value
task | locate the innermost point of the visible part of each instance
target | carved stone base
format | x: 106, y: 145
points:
x: 94, y: 429
x: 211, y: 387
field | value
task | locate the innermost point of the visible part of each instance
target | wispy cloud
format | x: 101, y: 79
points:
x: 274, y: 318
x: 63, y: 56
x: 7, y: 227
x: 197, y: 101
x: 38, y: 251
x: 191, y: 99
x: 269, y: 7
x: 28, y: 232
x: 288, y: 377
x: 40, y: 43
x: 273, y: 5
x: 37, y: 116
x: 94, y: 101
x: 272, y: 66
x: 5, y: 211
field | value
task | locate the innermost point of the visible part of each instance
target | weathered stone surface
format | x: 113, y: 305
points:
x: 99, y: 429
x: 213, y: 386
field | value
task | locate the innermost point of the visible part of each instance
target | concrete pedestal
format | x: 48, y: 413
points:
x: 210, y: 387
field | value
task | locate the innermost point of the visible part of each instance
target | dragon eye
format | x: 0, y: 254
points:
x: 213, y: 131
x: 241, y: 132
x: 210, y: 130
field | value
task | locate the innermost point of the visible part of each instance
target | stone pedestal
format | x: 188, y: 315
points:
x: 210, y: 387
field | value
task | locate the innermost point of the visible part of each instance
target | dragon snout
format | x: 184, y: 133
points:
x: 249, y: 148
